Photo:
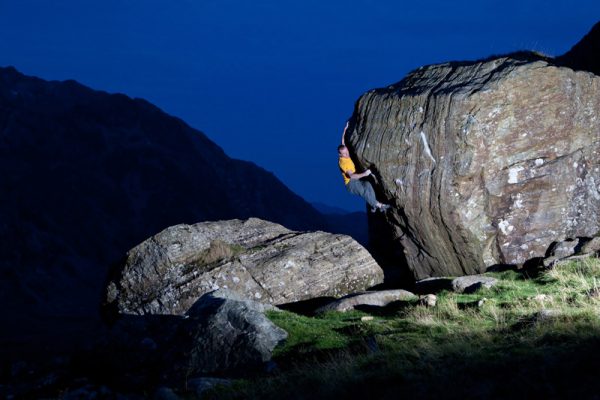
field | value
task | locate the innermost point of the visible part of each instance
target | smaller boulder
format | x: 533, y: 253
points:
x: 472, y: 283
x: 222, y: 334
x: 380, y: 299
x: 429, y: 300
x: 591, y: 246
x: 564, y: 248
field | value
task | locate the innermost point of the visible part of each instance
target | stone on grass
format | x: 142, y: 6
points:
x: 472, y: 283
x: 377, y: 298
x: 428, y: 300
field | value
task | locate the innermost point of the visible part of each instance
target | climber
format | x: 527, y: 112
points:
x: 354, y: 182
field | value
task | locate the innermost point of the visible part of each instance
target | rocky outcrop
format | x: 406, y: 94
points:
x: 258, y: 259
x: 472, y: 283
x: 485, y: 162
x: 222, y: 333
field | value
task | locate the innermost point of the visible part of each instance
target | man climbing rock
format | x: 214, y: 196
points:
x: 354, y: 182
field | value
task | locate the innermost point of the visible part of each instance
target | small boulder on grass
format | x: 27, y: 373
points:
x: 379, y: 298
x: 472, y: 283
x: 428, y: 300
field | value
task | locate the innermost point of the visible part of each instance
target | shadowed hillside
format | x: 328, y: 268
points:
x: 86, y: 175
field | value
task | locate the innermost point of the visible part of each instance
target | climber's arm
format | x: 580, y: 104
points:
x: 354, y: 175
x: 344, y: 134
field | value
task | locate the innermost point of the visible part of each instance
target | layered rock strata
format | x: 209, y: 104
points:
x: 485, y: 162
x: 260, y: 260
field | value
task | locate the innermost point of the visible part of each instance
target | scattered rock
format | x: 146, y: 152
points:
x: 165, y: 393
x: 428, y: 300
x: 379, y: 299
x: 564, y: 248
x: 260, y: 260
x: 592, y: 246
x: 472, y: 283
x: 553, y: 261
x: 481, y: 302
x: 499, y: 158
x: 366, y: 318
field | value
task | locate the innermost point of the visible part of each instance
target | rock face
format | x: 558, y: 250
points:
x: 584, y: 55
x: 223, y: 334
x: 258, y: 259
x: 220, y: 333
x: 485, y: 162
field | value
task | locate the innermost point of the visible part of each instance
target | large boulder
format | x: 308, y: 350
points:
x: 223, y: 332
x: 258, y: 259
x: 485, y: 162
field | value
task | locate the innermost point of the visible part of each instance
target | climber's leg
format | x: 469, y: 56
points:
x: 364, y: 190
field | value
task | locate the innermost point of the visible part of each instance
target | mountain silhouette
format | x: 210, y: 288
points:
x: 86, y: 175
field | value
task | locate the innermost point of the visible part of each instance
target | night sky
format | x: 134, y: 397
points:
x: 272, y: 81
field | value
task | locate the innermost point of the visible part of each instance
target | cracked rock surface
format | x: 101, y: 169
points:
x: 257, y: 259
x: 484, y: 162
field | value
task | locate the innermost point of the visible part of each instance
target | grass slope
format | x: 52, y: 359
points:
x: 536, y: 334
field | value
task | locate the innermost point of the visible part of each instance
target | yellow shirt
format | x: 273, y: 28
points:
x: 346, y: 164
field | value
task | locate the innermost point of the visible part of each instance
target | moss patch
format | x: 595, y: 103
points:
x: 454, y: 350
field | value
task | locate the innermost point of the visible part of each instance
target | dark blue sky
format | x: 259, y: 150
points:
x: 272, y: 81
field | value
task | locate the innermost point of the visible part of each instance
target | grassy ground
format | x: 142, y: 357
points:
x: 535, y: 335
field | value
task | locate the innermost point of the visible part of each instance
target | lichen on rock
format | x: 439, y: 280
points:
x: 496, y: 159
x: 261, y: 260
